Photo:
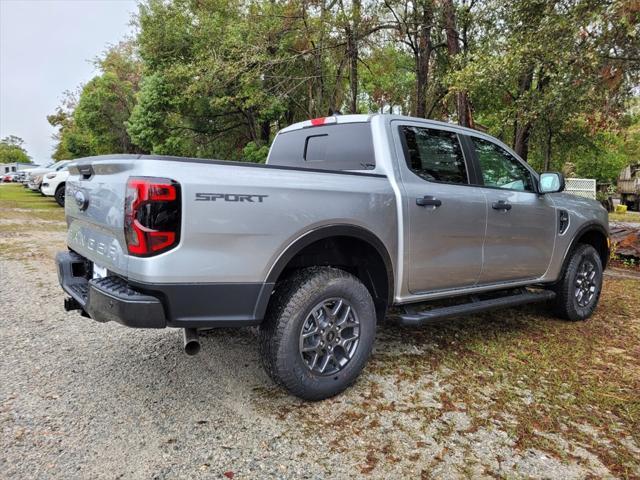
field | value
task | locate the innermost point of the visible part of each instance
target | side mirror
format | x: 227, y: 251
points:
x: 551, y: 182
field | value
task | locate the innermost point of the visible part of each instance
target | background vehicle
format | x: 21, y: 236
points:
x: 9, y: 177
x: 36, y: 176
x: 35, y: 182
x: 629, y: 187
x: 53, y: 184
x: 351, y: 215
x: 31, y: 173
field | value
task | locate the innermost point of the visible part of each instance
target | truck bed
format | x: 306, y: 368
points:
x: 237, y: 218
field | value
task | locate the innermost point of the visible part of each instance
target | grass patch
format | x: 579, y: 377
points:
x: 7, y: 228
x: 624, y: 217
x: 16, y: 196
x: 550, y: 376
x: 17, y: 202
x: 521, y: 371
x: 14, y: 251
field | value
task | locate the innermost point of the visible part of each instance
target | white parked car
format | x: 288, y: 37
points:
x: 32, y: 173
x: 36, y: 176
x: 53, y: 183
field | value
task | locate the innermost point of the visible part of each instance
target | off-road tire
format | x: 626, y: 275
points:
x: 59, y: 195
x: 566, y: 304
x: 290, y: 306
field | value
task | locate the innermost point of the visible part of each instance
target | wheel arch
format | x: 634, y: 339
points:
x: 593, y: 234
x: 349, y: 247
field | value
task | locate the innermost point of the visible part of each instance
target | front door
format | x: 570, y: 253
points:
x: 521, y: 224
x: 444, y: 215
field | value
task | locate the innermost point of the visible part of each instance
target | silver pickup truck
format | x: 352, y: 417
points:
x: 351, y: 215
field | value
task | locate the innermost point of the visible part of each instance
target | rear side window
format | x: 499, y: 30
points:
x: 315, y: 149
x: 434, y: 155
x: 346, y: 146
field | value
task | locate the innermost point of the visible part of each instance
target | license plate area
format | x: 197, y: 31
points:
x: 99, y: 271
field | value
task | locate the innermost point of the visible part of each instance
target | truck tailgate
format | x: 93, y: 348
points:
x: 94, y: 207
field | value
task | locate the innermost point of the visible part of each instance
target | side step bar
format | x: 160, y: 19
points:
x: 416, y: 319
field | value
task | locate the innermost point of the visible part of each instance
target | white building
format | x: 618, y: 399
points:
x: 14, y: 167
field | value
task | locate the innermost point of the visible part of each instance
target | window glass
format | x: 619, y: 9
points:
x: 346, y: 146
x: 316, y: 148
x: 434, y: 155
x: 500, y: 168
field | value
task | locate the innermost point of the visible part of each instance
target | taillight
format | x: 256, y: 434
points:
x: 151, y: 215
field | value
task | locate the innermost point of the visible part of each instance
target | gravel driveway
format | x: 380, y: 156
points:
x: 80, y: 399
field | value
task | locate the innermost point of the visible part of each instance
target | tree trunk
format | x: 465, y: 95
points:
x: 352, y: 33
x: 250, y: 118
x: 523, y: 127
x: 265, y: 132
x: 547, y: 150
x: 422, y: 78
x: 463, y: 105
x: 422, y: 56
x: 521, y: 142
x: 316, y: 101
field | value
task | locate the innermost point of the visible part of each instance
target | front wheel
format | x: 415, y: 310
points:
x: 578, y: 292
x: 318, y: 332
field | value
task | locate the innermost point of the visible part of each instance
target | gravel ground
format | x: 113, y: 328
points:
x: 80, y: 399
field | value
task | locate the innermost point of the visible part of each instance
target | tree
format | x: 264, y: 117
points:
x: 538, y: 65
x: 218, y: 78
x: 66, y: 134
x: 414, y: 24
x: 93, y: 120
x: 204, y: 93
x: 463, y: 105
x: 12, y: 150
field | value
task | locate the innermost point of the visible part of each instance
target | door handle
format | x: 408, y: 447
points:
x: 501, y: 205
x: 428, y: 201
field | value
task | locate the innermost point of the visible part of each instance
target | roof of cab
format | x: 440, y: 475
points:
x: 358, y: 118
x: 333, y: 119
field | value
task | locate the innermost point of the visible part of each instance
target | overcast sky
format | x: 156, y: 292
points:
x: 46, y: 47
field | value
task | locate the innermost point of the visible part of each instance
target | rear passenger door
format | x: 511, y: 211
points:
x: 444, y: 214
x: 521, y: 224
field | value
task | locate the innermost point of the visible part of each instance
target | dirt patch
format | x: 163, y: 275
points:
x: 515, y: 394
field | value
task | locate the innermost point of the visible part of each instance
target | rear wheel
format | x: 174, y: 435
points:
x: 578, y: 291
x: 318, y: 333
x: 59, y: 195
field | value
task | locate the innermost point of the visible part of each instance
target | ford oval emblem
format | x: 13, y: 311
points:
x: 81, y: 200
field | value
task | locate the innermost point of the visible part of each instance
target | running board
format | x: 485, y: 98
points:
x: 416, y: 319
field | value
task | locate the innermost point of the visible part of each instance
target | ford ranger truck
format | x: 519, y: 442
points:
x: 349, y: 216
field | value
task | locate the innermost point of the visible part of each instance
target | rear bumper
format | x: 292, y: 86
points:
x: 107, y: 299
x: 144, y: 305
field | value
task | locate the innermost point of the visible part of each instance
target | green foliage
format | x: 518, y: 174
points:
x: 218, y: 78
x: 254, y: 153
x: 607, y: 153
x: 539, y: 66
x: 93, y: 122
x: 388, y: 81
x: 12, y: 150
